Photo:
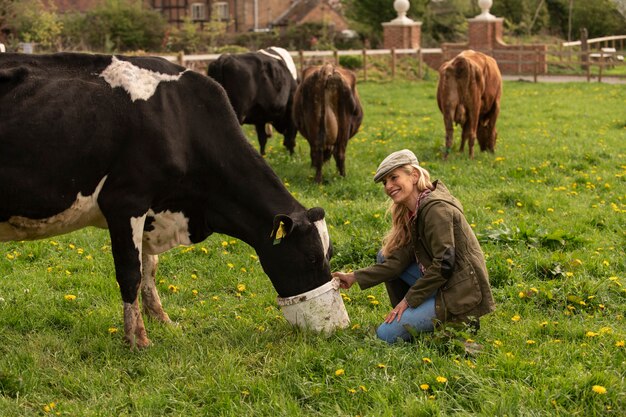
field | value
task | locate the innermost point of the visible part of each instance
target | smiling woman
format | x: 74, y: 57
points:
x: 431, y: 261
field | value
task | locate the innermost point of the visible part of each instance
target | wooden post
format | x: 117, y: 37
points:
x: 364, y: 64
x: 536, y: 67
x: 419, y: 63
x: 601, y: 66
x: 180, y: 58
x: 393, y: 63
x: 301, y: 56
x: 584, y: 48
x: 588, y: 66
x: 336, y: 55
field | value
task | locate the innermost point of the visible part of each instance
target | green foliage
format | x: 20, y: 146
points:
x: 549, y: 208
x: 351, y: 61
x: 35, y: 24
x: 123, y: 25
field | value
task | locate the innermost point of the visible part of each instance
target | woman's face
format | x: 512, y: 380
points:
x: 400, y: 187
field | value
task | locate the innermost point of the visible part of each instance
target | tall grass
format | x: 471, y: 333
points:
x: 549, y: 208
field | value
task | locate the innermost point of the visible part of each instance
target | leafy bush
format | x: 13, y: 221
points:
x: 351, y: 61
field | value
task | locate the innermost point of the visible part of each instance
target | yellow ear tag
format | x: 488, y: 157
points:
x: 280, y: 233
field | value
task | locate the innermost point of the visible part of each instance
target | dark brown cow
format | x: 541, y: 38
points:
x: 468, y: 94
x: 327, y: 112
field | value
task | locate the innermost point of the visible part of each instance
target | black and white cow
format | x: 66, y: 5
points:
x: 154, y: 153
x: 260, y: 86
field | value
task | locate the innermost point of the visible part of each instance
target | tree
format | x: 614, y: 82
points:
x: 124, y: 25
x: 36, y: 23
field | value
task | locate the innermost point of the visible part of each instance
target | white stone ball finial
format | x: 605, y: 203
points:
x: 485, y: 5
x: 401, y: 6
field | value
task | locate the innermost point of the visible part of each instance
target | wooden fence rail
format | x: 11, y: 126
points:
x: 558, y: 62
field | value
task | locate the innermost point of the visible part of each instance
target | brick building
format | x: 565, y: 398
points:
x: 239, y: 15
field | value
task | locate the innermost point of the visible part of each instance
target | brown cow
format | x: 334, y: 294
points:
x: 327, y: 112
x: 468, y: 94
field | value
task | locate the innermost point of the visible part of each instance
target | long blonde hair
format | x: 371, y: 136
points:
x: 399, y: 235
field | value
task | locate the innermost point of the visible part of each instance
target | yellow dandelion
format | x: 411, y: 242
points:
x: 599, y: 389
x: 516, y: 317
x: 224, y: 244
x: 530, y: 342
x: 442, y: 379
x: 204, y: 250
x: 172, y: 288
x: 194, y: 293
x: 339, y: 372
x: 620, y: 343
x: 362, y: 388
x: 424, y: 387
x: 230, y: 265
x: 426, y: 360
x: 371, y: 297
x: 112, y: 330
x: 591, y: 334
x: 194, y: 276
x: 351, y: 390
x: 497, y: 343
x: 381, y: 365
x: 241, y: 287
x: 70, y: 297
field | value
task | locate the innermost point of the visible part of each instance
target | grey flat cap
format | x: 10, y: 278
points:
x: 395, y: 160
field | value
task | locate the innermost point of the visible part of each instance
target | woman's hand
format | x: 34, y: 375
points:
x: 346, y: 279
x: 397, y: 311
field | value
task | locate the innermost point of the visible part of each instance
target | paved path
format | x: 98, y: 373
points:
x: 564, y: 79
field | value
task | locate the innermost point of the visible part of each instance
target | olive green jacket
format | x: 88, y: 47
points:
x: 454, y: 265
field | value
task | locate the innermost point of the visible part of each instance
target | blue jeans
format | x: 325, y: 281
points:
x: 418, y: 319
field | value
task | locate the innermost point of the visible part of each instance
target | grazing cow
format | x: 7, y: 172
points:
x: 327, y: 112
x: 260, y: 86
x: 154, y: 153
x: 468, y: 94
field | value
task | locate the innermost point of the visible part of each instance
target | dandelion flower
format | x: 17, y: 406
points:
x: 112, y: 330
x: 172, y: 288
x: 241, y: 287
x: 426, y: 360
x: 516, y: 317
x: 339, y: 372
x: 591, y: 334
x: 599, y: 389
x: 70, y: 297
x: 530, y: 342
x: 381, y: 365
x: 442, y: 379
x: 424, y: 387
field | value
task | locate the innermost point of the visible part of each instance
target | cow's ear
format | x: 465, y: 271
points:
x: 283, y: 226
x: 315, y: 214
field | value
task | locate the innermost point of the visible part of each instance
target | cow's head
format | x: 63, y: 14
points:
x: 298, y: 252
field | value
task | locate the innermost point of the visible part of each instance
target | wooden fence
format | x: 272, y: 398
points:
x: 387, y: 64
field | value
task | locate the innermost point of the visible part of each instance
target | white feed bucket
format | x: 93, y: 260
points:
x: 320, y: 309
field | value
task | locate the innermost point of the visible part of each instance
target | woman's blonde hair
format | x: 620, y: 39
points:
x: 399, y: 235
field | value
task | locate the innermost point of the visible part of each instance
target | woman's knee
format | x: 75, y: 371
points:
x: 391, y: 333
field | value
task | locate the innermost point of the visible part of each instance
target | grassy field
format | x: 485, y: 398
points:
x: 549, y: 208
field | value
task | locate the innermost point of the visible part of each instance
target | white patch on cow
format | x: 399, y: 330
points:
x: 140, y: 83
x: 168, y: 230
x: 286, y: 57
x: 324, y: 236
x: 136, y: 225
x: 82, y: 213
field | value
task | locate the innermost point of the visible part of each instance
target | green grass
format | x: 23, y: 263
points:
x: 549, y: 208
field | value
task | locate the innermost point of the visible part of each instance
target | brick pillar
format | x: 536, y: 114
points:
x: 485, y: 34
x: 402, y: 35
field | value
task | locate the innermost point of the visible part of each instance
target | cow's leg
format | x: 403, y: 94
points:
x: 339, y: 153
x: 447, y: 121
x: 317, y: 160
x: 289, y: 137
x: 469, y: 131
x: 262, y: 135
x: 150, y: 300
x: 126, y: 233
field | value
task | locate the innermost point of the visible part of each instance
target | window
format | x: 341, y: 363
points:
x: 220, y: 10
x: 198, y: 11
